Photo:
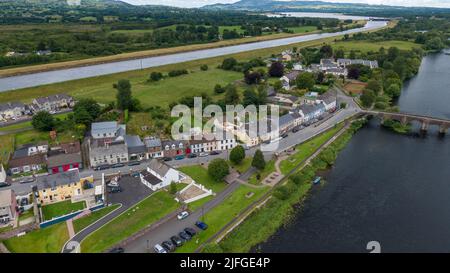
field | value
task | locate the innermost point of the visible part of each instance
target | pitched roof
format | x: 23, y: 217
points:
x: 150, y: 178
x: 286, y: 119
x: 11, y: 105
x: 6, y: 198
x: 63, y: 159
x: 59, y: 179
x: 38, y: 159
x: 134, y: 144
x: 328, y: 97
x: 151, y: 142
x: 292, y: 76
x: 159, y: 167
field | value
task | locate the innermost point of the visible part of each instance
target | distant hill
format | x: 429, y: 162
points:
x: 322, y: 6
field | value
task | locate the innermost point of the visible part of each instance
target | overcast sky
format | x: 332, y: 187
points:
x: 199, y: 3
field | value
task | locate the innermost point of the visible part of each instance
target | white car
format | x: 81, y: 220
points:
x: 182, y: 215
x: 159, y: 249
x: 203, y: 154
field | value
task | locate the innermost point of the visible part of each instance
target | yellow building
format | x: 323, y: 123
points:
x: 61, y: 186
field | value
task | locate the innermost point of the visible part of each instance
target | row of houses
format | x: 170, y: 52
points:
x: 53, y: 104
x: 109, y: 144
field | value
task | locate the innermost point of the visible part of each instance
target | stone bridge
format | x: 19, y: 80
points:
x: 405, y: 118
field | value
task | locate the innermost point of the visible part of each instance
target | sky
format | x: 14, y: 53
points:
x: 199, y: 3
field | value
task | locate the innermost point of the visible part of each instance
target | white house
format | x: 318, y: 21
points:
x: 2, y: 174
x: 329, y: 100
x: 159, y: 175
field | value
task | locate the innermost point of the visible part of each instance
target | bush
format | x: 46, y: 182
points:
x: 43, y: 121
x: 156, y: 76
x: 176, y: 73
x: 281, y: 193
x: 237, y: 154
x: 258, y: 160
x: 218, y: 169
x: 218, y: 89
x: 204, y: 67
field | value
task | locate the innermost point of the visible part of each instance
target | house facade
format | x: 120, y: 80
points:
x: 154, y: 147
x: 310, y: 112
x: 136, y: 148
x: 8, y: 206
x: 60, y: 187
x: 173, y: 148
x: 33, y: 163
x: 53, y: 103
x: 329, y: 100
x: 288, y: 80
x: 107, y: 153
x: 12, y: 111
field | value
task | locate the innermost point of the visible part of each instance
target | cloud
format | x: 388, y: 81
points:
x: 200, y: 3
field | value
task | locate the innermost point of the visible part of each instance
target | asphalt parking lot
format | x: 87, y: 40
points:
x: 133, y: 191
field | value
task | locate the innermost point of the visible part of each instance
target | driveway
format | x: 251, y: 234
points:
x: 133, y: 191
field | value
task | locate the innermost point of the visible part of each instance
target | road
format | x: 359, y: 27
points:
x: 41, y: 78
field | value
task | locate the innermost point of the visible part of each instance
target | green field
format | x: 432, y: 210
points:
x: 27, y: 124
x: 46, y: 240
x: 61, y: 208
x: 222, y: 214
x: 365, y: 46
x: 306, y: 149
x: 6, y: 147
x: 303, y: 29
x: 200, y: 175
x: 230, y: 28
x: 131, y: 221
x: 85, y: 221
x: 244, y: 166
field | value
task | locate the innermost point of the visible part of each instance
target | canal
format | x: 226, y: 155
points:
x: 384, y: 187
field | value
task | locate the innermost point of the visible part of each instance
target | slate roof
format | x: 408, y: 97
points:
x: 5, y: 198
x: 150, y: 178
x: 38, y: 159
x: 11, y: 105
x: 159, y: 167
x: 151, y: 142
x: 134, y: 144
x: 63, y: 159
x: 285, y: 119
x: 59, y: 179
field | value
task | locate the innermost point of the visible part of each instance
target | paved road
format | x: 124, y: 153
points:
x: 40, y: 78
x: 174, y: 226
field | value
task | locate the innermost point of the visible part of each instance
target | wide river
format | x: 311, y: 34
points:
x: 35, y: 79
x: 384, y: 187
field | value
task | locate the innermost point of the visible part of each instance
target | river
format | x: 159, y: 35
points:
x: 41, y: 78
x: 384, y: 187
x: 339, y: 16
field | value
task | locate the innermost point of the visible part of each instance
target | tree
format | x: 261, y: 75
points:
x: 277, y: 85
x: 90, y: 105
x: 156, y: 76
x: 353, y: 72
x: 393, y: 90
x: 231, y: 95
x: 326, y: 51
x: 82, y: 116
x: 339, y: 54
x: 124, y: 98
x: 250, y: 97
x: 218, y: 169
x: 43, y: 121
x: 320, y: 77
x: 262, y: 95
x: 228, y: 64
x: 252, y: 77
x: 374, y: 85
x: 237, y: 154
x: 218, y: 89
x: 367, y: 97
x: 204, y: 67
x: 305, y: 80
x: 276, y: 69
x: 258, y: 160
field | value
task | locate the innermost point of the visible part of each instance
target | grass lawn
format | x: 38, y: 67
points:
x: 61, y: 208
x: 131, y: 221
x: 6, y: 147
x: 306, y: 149
x: 26, y: 214
x: 230, y: 28
x: 366, y: 46
x: 270, y: 168
x: 303, y: 29
x: 33, y: 136
x: 219, y: 216
x: 83, y: 222
x: 46, y: 240
x: 200, y: 175
x: 244, y: 166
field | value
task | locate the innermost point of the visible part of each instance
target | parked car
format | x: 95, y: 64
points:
x: 4, y: 184
x: 114, y: 189
x: 180, y: 157
x: 285, y: 135
x: 182, y: 215
x: 134, y: 163
x: 183, y: 235
x: 102, y: 167
x: 168, y: 246
x: 295, y: 129
x: 203, y: 154
x: 159, y: 249
x: 27, y: 180
x: 201, y: 225
x: 167, y: 159
x: 118, y: 165
x: 117, y: 250
x: 190, y: 231
x: 214, y: 153
x: 177, y: 241
x: 192, y: 156
x: 135, y: 174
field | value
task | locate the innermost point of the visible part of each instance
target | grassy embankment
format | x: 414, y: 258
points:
x: 265, y: 221
x: 61, y: 208
x: 52, y: 239
x: 143, y: 214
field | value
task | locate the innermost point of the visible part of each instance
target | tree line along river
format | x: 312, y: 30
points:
x: 384, y: 187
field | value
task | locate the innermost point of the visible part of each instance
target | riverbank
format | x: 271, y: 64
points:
x: 282, y: 205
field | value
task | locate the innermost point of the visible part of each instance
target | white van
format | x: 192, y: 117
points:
x: 159, y: 249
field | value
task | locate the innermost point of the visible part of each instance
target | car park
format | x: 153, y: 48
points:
x: 190, y: 231
x: 182, y: 215
x: 177, y: 241
x: 201, y: 225
x: 159, y: 249
x: 168, y: 246
x: 183, y: 235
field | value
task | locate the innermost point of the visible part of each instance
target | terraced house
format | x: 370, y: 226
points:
x: 53, y: 103
x: 12, y: 111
